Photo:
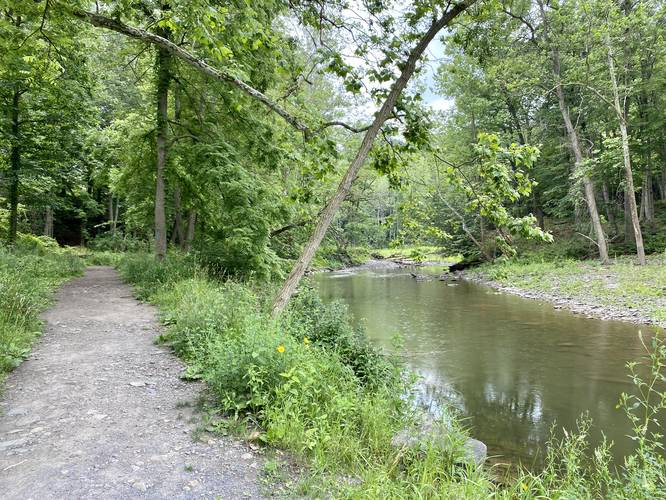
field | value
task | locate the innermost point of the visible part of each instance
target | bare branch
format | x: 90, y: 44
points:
x: 344, y: 125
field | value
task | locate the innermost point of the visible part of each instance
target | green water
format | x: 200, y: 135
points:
x: 512, y: 366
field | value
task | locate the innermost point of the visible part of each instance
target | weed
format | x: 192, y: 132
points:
x: 27, y: 281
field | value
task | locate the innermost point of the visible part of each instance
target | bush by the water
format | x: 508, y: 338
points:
x: 310, y: 380
x: 29, y: 273
x: 314, y: 385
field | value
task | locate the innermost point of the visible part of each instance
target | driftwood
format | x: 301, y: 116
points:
x: 465, y: 264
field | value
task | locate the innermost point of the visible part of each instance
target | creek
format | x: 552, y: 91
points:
x: 512, y: 367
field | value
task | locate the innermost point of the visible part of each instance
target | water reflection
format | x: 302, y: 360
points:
x: 514, y: 367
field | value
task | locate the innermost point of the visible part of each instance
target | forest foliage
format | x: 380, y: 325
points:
x: 235, y: 140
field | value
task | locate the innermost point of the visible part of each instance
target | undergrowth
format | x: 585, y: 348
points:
x: 314, y: 386
x: 28, y: 276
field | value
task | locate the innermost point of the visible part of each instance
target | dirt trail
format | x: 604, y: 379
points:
x: 99, y: 411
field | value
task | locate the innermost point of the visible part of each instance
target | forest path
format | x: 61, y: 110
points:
x: 99, y: 411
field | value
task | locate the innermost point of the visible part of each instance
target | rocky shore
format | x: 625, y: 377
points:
x: 587, y: 306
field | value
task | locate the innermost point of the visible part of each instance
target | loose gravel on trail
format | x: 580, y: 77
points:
x: 99, y: 411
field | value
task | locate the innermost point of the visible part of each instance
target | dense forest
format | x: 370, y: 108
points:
x: 225, y: 129
x: 260, y: 139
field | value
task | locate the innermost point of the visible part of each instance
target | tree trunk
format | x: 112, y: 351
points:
x: 15, y: 168
x: 111, y: 215
x: 327, y: 214
x: 178, y: 235
x: 189, y: 236
x: 628, y: 227
x: 588, y: 186
x: 464, y: 227
x: 163, y: 80
x: 115, y: 215
x: 629, y: 177
x: 647, y: 199
x: 48, y: 222
x: 610, y: 216
x: 574, y: 143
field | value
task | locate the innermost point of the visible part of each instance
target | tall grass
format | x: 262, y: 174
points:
x: 314, y: 386
x: 27, y: 281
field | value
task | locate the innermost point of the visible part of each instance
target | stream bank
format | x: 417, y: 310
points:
x: 621, y: 291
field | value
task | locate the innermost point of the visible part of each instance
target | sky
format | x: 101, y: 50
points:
x: 435, y: 53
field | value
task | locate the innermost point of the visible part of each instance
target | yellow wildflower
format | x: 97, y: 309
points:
x: 306, y: 340
x: 280, y: 349
x: 523, y: 486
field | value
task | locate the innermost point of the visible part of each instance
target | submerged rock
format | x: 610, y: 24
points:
x: 422, y: 277
x: 430, y: 433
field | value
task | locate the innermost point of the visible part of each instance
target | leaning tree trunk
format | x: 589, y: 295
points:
x: 574, y: 142
x: 628, y: 226
x: 628, y: 175
x: 15, y: 168
x: 327, y: 214
x: 588, y: 186
x: 163, y: 80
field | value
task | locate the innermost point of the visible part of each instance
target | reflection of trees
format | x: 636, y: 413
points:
x: 512, y: 366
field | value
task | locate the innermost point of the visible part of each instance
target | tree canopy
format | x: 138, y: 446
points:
x: 253, y: 133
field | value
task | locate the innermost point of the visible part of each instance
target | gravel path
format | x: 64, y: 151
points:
x: 99, y: 411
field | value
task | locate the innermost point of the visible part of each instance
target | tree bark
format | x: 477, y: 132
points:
x: 647, y: 198
x: 588, y: 186
x: 48, y: 222
x: 300, y: 266
x: 15, y: 167
x: 162, y: 94
x: 178, y: 235
x: 112, y: 215
x: 628, y: 175
x: 189, y: 235
x: 608, y: 206
x: 628, y: 227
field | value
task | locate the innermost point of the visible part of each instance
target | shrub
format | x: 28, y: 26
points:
x: 117, y: 242
x: 329, y: 326
x: 310, y: 380
x: 149, y: 276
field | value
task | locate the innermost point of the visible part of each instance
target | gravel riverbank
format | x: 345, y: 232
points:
x: 621, y: 291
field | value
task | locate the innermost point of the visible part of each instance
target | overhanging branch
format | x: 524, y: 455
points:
x: 182, y: 54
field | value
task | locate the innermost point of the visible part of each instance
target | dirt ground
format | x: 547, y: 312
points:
x: 99, y: 411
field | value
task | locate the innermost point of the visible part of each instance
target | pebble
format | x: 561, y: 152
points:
x: 140, y: 486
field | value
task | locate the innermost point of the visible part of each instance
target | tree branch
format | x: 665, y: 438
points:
x: 343, y: 125
x: 146, y: 36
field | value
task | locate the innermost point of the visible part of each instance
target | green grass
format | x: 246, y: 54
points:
x: 418, y: 253
x: 621, y: 284
x: 28, y: 279
x: 314, y: 387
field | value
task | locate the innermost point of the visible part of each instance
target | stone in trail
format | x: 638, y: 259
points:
x: 97, y: 411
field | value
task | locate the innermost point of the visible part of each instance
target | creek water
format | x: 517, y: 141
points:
x: 513, y: 367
